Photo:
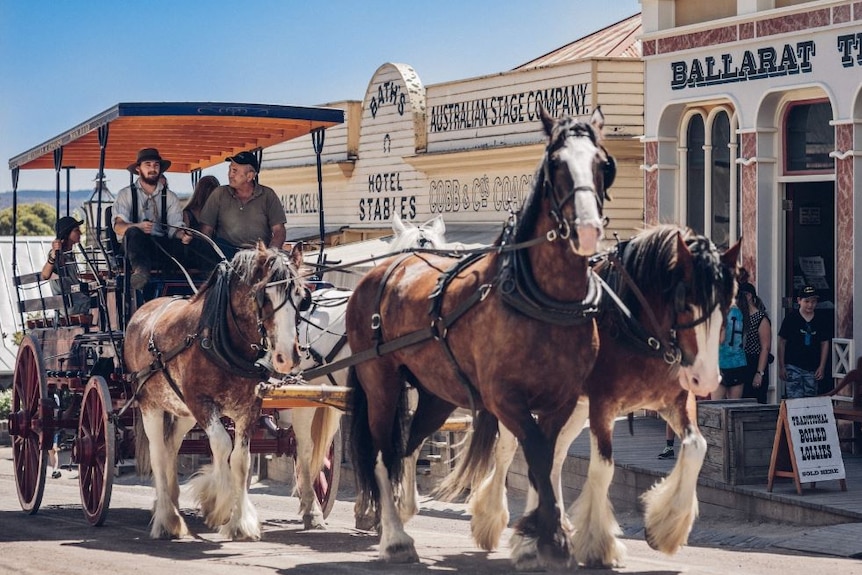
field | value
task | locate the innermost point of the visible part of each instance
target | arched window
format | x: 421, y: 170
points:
x: 695, y: 189
x: 711, y: 178
x: 809, y: 138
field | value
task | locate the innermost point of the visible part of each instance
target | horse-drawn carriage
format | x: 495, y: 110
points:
x: 69, y: 372
x: 526, y: 333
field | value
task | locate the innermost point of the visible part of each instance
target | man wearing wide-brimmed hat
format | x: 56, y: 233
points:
x: 243, y: 212
x: 146, y: 218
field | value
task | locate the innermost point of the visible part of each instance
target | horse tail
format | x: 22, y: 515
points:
x: 324, y: 426
x: 363, y: 453
x: 142, y: 449
x: 474, y: 462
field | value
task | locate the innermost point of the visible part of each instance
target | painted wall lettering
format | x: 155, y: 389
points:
x: 505, y: 194
x: 299, y: 203
x: 388, y: 93
x: 381, y: 208
x: 509, y: 108
x: 753, y: 65
x: 387, y: 182
x: 850, y: 48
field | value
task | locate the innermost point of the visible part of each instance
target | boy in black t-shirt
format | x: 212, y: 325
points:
x: 803, y: 346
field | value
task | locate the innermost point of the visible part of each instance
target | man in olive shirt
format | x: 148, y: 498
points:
x: 243, y: 211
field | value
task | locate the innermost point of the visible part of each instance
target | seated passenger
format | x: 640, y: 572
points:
x: 61, y: 261
x: 244, y: 211
x: 146, y: 219
x: 200, y: 253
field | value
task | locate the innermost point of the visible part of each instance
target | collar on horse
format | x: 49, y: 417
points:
x: 519, y: 289
x: 215, y: 334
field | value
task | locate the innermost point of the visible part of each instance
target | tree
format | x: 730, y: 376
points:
x: 33, y: 220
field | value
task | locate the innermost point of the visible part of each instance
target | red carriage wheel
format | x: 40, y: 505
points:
x: 326, y: 484
x: 94, y: 450
x: 30, y: 440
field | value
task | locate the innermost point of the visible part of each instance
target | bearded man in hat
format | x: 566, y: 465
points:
x: 244, y: 211
x: 147, y: 216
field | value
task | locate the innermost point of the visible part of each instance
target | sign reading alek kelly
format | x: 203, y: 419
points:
x: 815, y: 439
x: 790, y: 59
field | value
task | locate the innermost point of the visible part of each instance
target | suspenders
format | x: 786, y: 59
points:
x: 164, y: 214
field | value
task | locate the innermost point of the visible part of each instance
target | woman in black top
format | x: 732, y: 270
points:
x: 758, y: 341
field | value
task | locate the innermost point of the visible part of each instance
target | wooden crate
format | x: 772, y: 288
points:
x: 739, y: 435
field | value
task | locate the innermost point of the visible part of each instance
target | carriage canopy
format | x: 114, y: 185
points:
x: 194, y: 135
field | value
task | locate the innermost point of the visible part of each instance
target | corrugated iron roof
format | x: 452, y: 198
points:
x: 620, y: 40
x: 31, y: 255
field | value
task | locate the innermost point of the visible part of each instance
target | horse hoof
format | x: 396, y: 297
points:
x: 651, y: 540
x: 313, y: 523
x: 366, y: 523
x: 400, y: 553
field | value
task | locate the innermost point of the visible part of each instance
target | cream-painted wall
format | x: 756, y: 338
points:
x: 466, y: 150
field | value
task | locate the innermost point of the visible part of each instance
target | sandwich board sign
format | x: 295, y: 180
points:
x: 806, y: 446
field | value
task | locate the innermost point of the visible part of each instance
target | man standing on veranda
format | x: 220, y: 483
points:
x: 244, y: 211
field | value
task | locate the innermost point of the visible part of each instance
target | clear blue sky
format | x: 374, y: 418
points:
x: 62, y: 62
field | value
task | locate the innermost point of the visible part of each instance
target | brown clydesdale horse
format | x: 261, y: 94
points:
x: 200, y: 359
x: 659, y: 349
x: 511, y: 329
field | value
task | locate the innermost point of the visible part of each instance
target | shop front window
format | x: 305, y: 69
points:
x: 712, y: 191
x: 809, y: 138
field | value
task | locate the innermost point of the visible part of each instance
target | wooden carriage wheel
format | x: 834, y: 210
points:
x: 95, y: 450
x: 326, y: 484
x: 30, y: 440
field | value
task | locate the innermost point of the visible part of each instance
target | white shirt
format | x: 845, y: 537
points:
x: 149, y: 208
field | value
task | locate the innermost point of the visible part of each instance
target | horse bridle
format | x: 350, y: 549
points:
x: 564, y: 226
x: 669, y: 346
x: 263, y: 348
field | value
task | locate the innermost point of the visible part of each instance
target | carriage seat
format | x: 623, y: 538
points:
x: 38, y: 307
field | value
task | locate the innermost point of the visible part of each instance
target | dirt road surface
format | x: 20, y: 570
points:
x: 58, y: 540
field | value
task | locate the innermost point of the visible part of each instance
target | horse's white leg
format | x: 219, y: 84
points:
x: 309, y: 508
x: 408, y: 490
x: 243, y: 523
x: 395, y: 545
x: 167, y: 521
x: 671, y: 507
x: 595, y: 541
x: 211, y: 486
x: 488, y: 503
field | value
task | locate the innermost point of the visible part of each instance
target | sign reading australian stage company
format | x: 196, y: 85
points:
x: 509, y: 108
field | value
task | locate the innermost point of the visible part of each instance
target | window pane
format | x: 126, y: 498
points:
x: 809, y: 138
x: 695, y: 171
x: 721, y: 166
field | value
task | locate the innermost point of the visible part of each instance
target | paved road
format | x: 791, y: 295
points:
x: 58, y: 540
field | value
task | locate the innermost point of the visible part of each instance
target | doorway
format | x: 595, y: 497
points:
x: 810, y: 249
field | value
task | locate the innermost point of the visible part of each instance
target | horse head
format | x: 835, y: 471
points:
x: 578, y: 171
x: 279, y: 294
x: 700, y: 302
x: 686, y: 288
x: 428, y: 235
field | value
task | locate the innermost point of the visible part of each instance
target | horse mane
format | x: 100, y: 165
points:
x: 651, y: 260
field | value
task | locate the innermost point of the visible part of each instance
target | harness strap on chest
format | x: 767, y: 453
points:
x: 160, y: 364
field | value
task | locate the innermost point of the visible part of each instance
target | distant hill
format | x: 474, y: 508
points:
x: 76, y: 198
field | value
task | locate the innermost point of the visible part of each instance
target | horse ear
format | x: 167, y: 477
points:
x: 684, y: 258
x: 397, y: 225
x: 547, y: 121
x: 730, y: 258
x: 597, y: 120
x: 437, y: 225
x: 296, y: 255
